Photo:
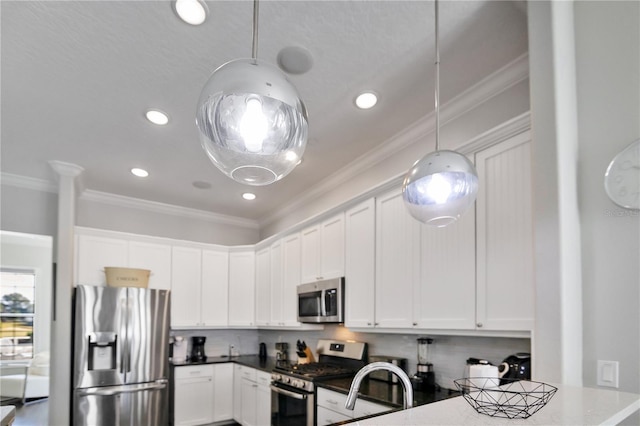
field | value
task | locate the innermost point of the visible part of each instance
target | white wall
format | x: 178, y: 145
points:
x: 28, y: 210
x: 608, y: 63
x: 33, y: 252
x: 165, y: 221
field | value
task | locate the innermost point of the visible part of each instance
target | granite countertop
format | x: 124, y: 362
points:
x: 571, y: 405
x: 386, y: 393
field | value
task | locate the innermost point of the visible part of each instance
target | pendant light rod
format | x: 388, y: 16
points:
x: 254, y: 44
x: 437, y: 91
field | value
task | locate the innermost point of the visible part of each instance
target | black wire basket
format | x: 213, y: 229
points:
x: 508, y: 398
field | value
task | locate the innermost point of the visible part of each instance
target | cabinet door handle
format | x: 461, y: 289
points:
x: 415, y: 323
x: 368, y: 323
x: 331, y: 401
x: 376, y: 324
x: 479, y: 325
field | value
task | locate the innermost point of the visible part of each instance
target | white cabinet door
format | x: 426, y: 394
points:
x: 505, y: 236
x: 332, y: 247
x: 263, y: 288
x: 223, y: 401
x: 275, y: 282
x: 290, y: 279
x: 242, y: 288
x: 368, y: 408
x: 154, y: 257
x: 397, y: 266
x: 310, y: 254
x: 237, y: 392
x: 249, y: 403
x: 360, y: 260
x: 186, y: 268
x: 93, y: 253
x: 322, y: 250
x: 447, y: 290
x: 328, y: 417
x: 193, y: 395
x: 263, y: 398
x: 215, y: 287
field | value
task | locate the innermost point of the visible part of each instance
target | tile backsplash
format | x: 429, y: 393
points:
x: 448, y: 353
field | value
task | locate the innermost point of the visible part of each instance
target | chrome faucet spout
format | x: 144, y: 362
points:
x: 357, y: 380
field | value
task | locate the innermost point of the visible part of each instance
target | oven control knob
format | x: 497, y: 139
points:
x: 296, y: 383
x: 277, y: 377
x: 286, y: 380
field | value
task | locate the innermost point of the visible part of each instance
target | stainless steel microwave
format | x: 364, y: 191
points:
x: 322, y: 301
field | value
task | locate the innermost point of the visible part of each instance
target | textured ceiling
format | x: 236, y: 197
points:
x: 77, y: 78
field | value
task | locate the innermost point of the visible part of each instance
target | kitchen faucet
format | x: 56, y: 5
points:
x: 355, y: 385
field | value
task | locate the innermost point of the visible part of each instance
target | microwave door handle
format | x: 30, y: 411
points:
x: 323, y: 303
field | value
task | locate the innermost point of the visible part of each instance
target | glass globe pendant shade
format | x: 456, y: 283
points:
x: 252, y: 123
x: 440, y: 187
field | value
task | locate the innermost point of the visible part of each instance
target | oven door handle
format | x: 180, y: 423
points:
x: 289, y: 393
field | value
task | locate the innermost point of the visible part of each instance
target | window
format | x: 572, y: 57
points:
x: 17, y: 313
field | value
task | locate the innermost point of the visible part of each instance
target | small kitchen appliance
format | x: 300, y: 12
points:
x: 386, y: 375
x: 179, y: 349
x: 262, y: 354
x: 516, y: 366
x: 197, y: 348
x: 321, y: 301
x: 425, y: 378
x: 281, y: 352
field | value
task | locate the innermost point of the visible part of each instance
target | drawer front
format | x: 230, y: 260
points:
x: 329, y: 417
x: 333, y: 401
x: 247, y: 373
x: 192, y: 371
x: 367, y: 408
x: 263, y: 379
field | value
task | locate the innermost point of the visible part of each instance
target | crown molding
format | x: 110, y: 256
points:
x: 168, y: 209
x: 24, y: 182
x: 35, y: 184
x: 66, y: 169
x: 489, y: 87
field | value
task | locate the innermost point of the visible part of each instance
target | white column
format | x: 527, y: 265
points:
x: 557, y: 339
x: 61, y: 338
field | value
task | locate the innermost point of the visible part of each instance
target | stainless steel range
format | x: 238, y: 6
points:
x: 293, y: 387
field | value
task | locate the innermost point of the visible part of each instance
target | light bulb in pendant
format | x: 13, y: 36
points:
x: 438, y: 189
x: 253, y: 126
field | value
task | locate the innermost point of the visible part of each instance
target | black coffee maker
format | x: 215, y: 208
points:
x: 197, y: 348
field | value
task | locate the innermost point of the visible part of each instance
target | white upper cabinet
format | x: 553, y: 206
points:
x: 263, y: 287
x: 242, y: 266
x: 447, y: 290
x: 96, y: 249
x: 505, y: 236
x: 397, y: 265
x: 322, y: 250
x: 186, y: 273
x: 215, y: 287
x: 290, y: 279
x: 276, y: 285
x: 154, y: 257
x: 360, y: 238
x: 93, y: 253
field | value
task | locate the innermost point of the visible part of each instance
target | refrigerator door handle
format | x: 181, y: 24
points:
x: 116, y: 390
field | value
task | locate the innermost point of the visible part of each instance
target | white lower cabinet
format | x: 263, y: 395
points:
x: 193, y: 395
x: 330, y: 408
x: 252, y: 396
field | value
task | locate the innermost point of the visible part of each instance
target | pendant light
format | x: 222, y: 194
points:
x: 252, y: 122
x: 442, y: 185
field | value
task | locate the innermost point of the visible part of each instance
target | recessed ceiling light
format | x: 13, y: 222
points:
x: 157, y: 117
x: 193, y: 12
x: 249, y: 196
x: 140, y: 172
x: 366, y: 100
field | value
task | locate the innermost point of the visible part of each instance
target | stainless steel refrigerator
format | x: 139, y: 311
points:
x: 121, y: 356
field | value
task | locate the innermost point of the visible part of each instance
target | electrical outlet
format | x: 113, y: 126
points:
x: 608, y: 373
